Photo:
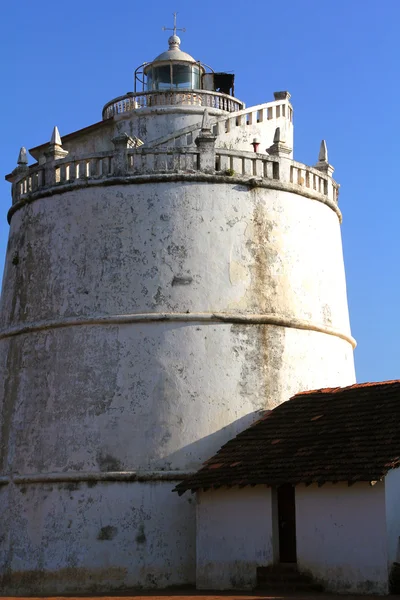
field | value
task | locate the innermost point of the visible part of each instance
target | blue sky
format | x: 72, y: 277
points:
x: 61, y: 62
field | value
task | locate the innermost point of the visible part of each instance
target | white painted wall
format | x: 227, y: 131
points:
x: 341, y: 536
x: 242, y: 130
x: 392, y: 499
x: 69, y: 537
x: 161, y: 395
x: 154, y: 395
x: 151, y: 124
x: 117, y: 249
x: 234, y: 537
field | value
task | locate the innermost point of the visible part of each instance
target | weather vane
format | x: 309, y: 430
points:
x: 174, y: 28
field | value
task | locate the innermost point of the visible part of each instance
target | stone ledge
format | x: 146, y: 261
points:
x: 90, y: 476
x: 264, y: 319
x: 252, y: 182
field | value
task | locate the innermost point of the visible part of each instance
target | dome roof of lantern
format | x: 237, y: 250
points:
x: 174, y: 52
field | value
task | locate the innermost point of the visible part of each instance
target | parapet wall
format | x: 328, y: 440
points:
x: 107, y: 168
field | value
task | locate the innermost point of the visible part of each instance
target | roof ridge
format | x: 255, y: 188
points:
x: 333, y: 390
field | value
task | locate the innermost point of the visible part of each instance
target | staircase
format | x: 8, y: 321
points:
x: 220, y: 126
x: 285, y: 577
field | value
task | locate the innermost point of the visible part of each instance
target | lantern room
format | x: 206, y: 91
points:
x: 175, y: 70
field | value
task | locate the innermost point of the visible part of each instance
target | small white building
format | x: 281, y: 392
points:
x: 314, y: 482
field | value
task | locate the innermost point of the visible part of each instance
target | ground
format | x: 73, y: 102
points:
x: 207, y: 596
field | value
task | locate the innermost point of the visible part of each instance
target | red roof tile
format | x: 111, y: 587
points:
x: 332, y: 434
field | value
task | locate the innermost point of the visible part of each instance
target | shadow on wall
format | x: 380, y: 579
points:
x: 195, y: 454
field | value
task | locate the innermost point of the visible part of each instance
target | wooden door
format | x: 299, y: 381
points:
x: 287, y: 523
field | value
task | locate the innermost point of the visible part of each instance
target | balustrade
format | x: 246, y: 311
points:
x: 310, y: 178
x: 142, y: 161
x: 204, y: 98
x: 227, y: 123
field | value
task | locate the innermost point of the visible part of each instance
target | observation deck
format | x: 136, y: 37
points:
x: 200, y: 98
x: 143, y: 164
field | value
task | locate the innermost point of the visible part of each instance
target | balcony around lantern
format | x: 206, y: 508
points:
x: 171, y: 97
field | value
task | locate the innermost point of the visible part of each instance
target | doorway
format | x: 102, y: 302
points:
x: 287, y: 523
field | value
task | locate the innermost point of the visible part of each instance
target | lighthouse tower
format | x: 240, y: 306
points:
x: 171, y: 272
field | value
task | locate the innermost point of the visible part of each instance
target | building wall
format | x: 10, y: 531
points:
x: 341, y: 536
x: 193, y: 250
x: 176, y: 247
x: 130, y: 342
x: 79, y: 536
x: 147, y: 124
x: 392, y: 500
x: 234, y: 537
x: 242, y: 130
x: 152, y: 124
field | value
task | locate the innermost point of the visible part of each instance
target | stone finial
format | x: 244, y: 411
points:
x: 20, y: 169
x: 122, y: 140
x: 323, y: 152
x: 323, y: 164
x: 279, y: 146
x: 22, y: 158
x: 55, y: 150
x: 278, y: 137
x: 55, y: 137
x: 205, y: 122
x: 206, y: 145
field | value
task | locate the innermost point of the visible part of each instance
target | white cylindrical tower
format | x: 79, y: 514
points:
x: 164, y: 283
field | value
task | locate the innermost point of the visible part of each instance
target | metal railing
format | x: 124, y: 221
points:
x: 203, y: 98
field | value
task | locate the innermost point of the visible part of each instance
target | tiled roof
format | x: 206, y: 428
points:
x: 336, y: 434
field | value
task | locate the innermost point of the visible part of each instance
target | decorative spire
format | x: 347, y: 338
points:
x: 174, y: 41
x: 323, y: 152
x: 205, y: 123
x: 22, y: 158
x: 323, y: 164
x: 279, y: 146
x: 21, y: 168
x: 277, y: 136
x: 55, y: 150
x: 55, y: 137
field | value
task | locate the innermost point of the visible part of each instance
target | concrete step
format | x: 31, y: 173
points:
x: 280, y: 567
x: 285, y: 578
x: 290, y: 577
x: 280, y: 587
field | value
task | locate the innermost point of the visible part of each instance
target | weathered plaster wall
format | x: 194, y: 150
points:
x: 150, y: 124
x: 392, y: 500
x: 341, y: 536
x: 91, y: 382
x: 175, y: 247
x: 234, y: 537
x: 69, y: 537
x: 240, y: 136
x: 125, y: 397
x: 87, y: 143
